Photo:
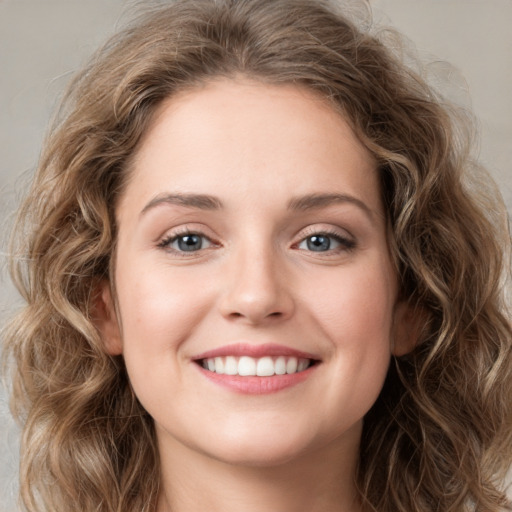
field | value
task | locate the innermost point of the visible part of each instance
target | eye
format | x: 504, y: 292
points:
x: 324, y: 242
x: 186, y: 242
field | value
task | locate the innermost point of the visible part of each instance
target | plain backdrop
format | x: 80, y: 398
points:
x: 42, y: 42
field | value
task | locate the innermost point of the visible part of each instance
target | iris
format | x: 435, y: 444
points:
x: 190, y: 242
x: 318, y: 243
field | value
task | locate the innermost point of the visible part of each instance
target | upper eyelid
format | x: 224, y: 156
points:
x: 185, y: 229
x: 330, y: 231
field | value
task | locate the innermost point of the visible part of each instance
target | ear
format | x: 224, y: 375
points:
x: 105, y: 319
x: 408, y: 326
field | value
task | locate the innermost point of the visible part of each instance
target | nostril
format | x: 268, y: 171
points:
x: 236, y: 314
x: 266, y: 305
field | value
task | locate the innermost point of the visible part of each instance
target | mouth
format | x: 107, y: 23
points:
x: 247, y: 366
x: 256, y: 369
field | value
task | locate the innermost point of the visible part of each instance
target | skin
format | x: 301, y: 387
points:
x: 255, y: 148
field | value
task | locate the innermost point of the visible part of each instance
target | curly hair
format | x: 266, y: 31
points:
x: 439, y: 437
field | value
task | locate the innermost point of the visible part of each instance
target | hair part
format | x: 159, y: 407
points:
x: 439, y: 436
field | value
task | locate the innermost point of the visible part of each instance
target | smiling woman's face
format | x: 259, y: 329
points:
x: 256, y: 299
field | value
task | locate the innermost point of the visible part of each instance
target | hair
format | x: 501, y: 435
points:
x: 439, y: 436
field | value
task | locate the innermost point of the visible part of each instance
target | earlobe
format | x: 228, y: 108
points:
x: 105, y: 319
x: 408, y: 327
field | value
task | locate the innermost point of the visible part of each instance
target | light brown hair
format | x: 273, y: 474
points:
x: 439, y: 437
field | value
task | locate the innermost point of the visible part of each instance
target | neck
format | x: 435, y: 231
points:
x: 319, y: 481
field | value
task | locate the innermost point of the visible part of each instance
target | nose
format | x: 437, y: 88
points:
x: 257, y: 289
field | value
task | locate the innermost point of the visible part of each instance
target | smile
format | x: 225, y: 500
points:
x: 256, y: 369
x: 247, y: 366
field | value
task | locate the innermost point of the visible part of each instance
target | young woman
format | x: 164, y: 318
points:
x: 258, y: 278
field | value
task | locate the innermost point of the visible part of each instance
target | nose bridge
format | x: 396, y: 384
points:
x: 256, y: 288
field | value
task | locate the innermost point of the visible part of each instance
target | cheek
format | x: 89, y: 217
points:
x: 159, y: 308
x: 355, y: 313
x: 355, y: 306
x: 159, y: 312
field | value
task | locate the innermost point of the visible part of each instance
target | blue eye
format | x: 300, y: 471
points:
x: 318, y: 243
x: 188, y: 242
x: 323, y: 242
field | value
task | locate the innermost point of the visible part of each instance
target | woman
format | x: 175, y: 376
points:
x: 257, y: 279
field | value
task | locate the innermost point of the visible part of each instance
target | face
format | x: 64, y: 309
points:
x: 255, y: 299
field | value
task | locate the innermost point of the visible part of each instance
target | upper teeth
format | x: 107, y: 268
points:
x: 262, y: 367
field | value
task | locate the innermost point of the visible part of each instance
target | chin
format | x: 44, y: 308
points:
x: 257, y: 456
x: 265, y: 447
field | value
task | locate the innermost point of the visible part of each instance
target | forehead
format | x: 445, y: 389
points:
x: 251, y: 137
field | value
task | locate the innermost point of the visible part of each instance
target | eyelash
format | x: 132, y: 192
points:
x: 346, y: 244
x: 166, y: 242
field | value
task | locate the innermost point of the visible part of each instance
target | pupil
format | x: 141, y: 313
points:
x: 189, y: 243
x: 318, y: 243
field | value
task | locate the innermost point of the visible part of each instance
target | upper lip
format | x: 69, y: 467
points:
x: 256, y: 351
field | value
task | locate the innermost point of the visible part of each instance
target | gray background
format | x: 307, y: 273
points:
x: 43, y: 41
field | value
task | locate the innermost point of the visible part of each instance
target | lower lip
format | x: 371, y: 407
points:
x: 254, y: 385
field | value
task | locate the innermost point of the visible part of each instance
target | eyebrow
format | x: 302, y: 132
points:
x: 199, y: 201
x: 317, y: 201
x: 301, y: 203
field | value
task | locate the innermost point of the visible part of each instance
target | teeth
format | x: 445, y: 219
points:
x: 280, y: 365
x: 219, y: 365
x: 246, y: 366
x: 262, y: 367
x: 291, y: 365
x: 302, y: 365
x: 231, y: 366
x: 265, y: 367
